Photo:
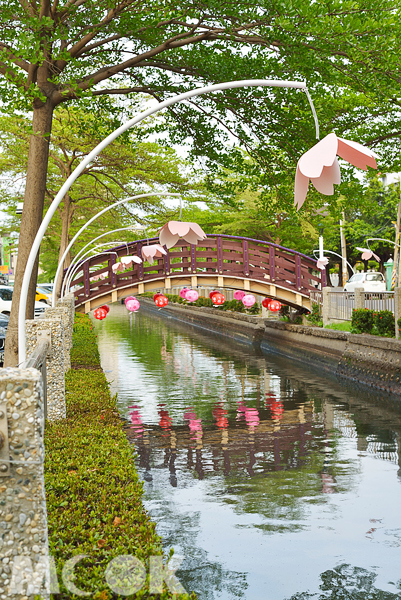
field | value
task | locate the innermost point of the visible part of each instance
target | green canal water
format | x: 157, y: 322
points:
x: 272, y: 481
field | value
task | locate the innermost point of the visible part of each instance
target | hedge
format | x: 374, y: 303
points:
x: 94, y: 495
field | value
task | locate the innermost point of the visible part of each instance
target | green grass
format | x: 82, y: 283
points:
x: 340, y: 326
x: 94, y: 495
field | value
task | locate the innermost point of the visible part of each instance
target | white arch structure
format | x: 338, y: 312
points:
x: 301, y: 85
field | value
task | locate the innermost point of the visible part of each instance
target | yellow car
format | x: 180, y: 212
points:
x: 41, y: 297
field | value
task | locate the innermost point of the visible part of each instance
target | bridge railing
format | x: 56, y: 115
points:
x: 223, y: 255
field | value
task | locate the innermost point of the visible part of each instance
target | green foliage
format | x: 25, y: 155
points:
x: 362, y: 320
x: 94, y: 495
x: 346, y: 326
x: 315, y: 315
x: 84, y: 350
x: 384, y: 323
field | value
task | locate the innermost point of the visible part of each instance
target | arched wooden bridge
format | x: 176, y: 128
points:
x: 220, y: 261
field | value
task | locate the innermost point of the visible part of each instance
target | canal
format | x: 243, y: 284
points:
x: 272, y: 481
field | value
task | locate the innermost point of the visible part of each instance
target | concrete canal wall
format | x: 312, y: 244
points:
x: 364, y: 359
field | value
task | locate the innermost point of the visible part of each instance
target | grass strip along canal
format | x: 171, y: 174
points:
x: 94, y: 495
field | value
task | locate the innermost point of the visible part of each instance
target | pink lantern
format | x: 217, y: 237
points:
x: 191, y: 296
x: 239, y: 294
x: 129, y: 298
x: 248, y: 300
x: 132, y: 305
x: 183, y: 293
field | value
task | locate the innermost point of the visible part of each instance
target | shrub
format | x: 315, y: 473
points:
x: 362, y: 320
x: 315, y: 316
x: 93, y: 492
x: 384, y: 322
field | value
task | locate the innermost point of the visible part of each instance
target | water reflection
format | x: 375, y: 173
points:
x: 260, y: 472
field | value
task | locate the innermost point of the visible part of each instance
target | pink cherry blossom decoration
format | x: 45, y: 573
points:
x: 248, y: 300
x: 239, y: 294
x: 172, y: 231
x: 151, y: 252
x: 367, y: 254
x: 320, y: 165
x: 322, y: 262
x: 192, y: 296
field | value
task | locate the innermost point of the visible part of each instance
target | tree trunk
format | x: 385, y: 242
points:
x: 64, y: 241
x: 30, y: 221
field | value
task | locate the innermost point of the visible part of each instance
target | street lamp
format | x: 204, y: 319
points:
x: 103, y: 144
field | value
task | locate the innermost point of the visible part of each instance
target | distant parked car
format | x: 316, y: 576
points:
x: 370, y: 282
x: 6, y: 296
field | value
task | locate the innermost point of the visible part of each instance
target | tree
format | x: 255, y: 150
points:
x: 67, y: 50
x: 126, y: 168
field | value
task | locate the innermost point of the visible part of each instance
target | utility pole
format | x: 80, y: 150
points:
x: 396, y: 268
x: 344, y: 270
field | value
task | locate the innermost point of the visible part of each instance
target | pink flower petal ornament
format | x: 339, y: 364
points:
x: 248, y: 300
x: 322, y: 262
x: 172, y: 231
x: 153, y: 251
x: 239, y: 294
x: 367, y: 254
x: 320, y: 165
x: 192, y: 296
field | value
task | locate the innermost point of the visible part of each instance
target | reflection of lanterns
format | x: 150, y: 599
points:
x: 165, y: 419
x: 191, y: 296
x: 220, y: 414
x: 106, y: 308
x: 274, y: 306
x: 100, y: 314
x: 239, y: 294
x: 266, y: 302
x: 217, y: 298
x: 248, y: 300
x: 183, y: 293
x: 161, y: 300
x: 132, y: 305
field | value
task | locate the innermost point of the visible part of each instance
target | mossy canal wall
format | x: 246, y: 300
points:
x: 364, y: 359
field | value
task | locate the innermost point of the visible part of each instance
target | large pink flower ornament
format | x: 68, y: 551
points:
x: 322, y: 262
x: 367, y: 254
x: 172, y: 231
x: 320, y: 165
x: 149, y: 253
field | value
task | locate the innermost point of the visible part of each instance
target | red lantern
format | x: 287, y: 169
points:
x: 217, y: 298
x: 274, y: 306
x: 100, y: 313
x: 212, y: 293
x: 160, y: 300
x: 106, y: 308
x: 266, y: 302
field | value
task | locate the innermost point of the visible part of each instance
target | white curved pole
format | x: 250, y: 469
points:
x: 84, y: 259
x: 99, y: 214
x: 335, y: 254
x: 380, y: 240
x: 75, y: 260
x: 103, y: 144
x: 77, y: 267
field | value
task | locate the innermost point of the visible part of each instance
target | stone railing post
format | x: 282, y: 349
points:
x: 24, y: 549
x: 69, y: 302
x: 359, y: 295
x: 62, y: 313
x: 397, y: 309
x: 54, y: 363
x: 326, y: 307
